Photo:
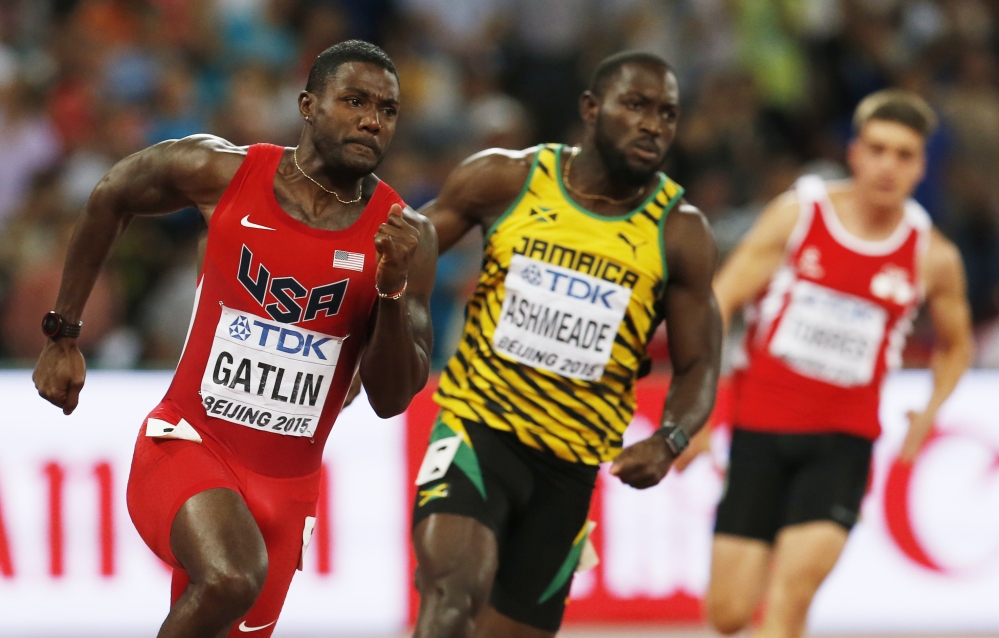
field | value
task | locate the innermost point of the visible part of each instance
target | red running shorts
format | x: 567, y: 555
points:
x: 165, y: 473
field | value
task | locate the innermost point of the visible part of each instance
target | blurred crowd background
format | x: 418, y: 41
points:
x: 768, y: 87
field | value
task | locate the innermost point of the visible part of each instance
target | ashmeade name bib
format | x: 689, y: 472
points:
x: 829, y: 335
x: 559, y: 320
x: 268, y: 376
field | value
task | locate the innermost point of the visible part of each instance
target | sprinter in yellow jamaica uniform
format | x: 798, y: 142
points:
x: 587, y: 250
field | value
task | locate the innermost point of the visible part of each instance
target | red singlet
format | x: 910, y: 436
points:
x: 280, y: 317
x: 831, y: 323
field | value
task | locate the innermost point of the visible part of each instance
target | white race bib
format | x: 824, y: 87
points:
x: 268, y: 376
x: 829, y: 335
x: 559, y: 320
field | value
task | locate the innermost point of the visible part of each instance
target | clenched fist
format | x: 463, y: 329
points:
x: 59, y: 374
x: 643, y: 464
x: 395, y: 245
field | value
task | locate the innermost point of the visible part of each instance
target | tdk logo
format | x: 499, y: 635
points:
x: 579, y: 288
x: 285, y: 290
x: 286, y: 340
x: 532, y: 275
x: 240, y: 329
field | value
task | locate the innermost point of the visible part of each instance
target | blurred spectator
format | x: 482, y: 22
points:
x: 32, y: 248
x: 257, y: 32
x: 767, y: 91
x: 177, y: 108
x: 546, y: 40
x: 28, y: 142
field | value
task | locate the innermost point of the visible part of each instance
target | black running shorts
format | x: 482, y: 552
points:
x: 778, y: 480
x: 535, y: 503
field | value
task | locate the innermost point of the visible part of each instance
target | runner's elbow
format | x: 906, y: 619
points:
x: 389, y: 395
x: 387, y: 407
x: 104, y: 200
x: 389, y: 400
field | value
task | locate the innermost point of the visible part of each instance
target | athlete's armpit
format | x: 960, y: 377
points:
x: 477, y: 193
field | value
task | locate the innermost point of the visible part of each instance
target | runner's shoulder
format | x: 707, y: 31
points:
x: 499, y: 160
x: 777, y: 221
x: 944, y: 266
x: 685, y: 220
x: 686, y: 229
x: 203, y: 155
x: 784, y: 208
x: 493, y: 177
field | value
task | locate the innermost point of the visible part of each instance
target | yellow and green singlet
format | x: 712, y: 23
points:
x: 557, y: 328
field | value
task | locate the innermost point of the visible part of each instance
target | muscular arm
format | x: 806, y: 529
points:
x: 396, y: 362
x: 754, y: 261
x: 693, y: 323
x: 477, y: 193
x: 693, y: 326
x: 745, y: 274
x: 952, y: 353
x: 163, y: 178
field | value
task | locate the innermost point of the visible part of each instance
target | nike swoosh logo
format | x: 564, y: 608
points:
x: 246, y: 628
x: 246, y: 222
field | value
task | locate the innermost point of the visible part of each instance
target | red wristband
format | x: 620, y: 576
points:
x: 394, y: 295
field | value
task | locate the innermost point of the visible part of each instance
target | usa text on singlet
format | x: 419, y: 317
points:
x: 280, y: 317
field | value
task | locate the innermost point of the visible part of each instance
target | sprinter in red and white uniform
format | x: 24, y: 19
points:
x: 832, y: 276
x: 313, y: 269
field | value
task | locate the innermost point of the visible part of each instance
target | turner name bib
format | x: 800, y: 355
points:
x: 829, y: 335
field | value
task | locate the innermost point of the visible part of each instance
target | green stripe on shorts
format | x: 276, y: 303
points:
x: 465, y: 458
x: 564, y: 572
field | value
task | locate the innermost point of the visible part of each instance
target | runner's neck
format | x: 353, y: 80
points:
x: 863, y: 219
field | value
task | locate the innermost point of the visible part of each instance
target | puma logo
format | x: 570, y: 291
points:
x: 634, y: 247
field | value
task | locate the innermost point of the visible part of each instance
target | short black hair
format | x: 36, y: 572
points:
x: 895, y: 105
x: 327, y: 62
x: 610, y: 66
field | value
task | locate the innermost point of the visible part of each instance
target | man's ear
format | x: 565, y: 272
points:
x: 306, y: 105
x: 588, y: 107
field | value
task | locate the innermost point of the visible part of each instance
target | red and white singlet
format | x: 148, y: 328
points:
x: 279, y: 321
x: 832, y: 322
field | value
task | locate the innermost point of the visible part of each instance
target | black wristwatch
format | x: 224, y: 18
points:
x: 54, y: 326
x: 676, y: 439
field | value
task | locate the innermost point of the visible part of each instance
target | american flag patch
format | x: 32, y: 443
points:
x: 348, y: 260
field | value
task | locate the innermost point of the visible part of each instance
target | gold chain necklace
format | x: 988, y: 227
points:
x: 333, y: 193
x: 602, y: 198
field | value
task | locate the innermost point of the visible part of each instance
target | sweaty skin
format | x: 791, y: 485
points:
x: 637, y: 113
x: 349, y: 124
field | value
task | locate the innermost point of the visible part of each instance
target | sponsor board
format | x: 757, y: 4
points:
x: 71, y: 563
x: 925, y: 556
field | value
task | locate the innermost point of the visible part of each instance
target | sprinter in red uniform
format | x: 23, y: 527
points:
x: 314, y: 269
x: 833, y: 276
